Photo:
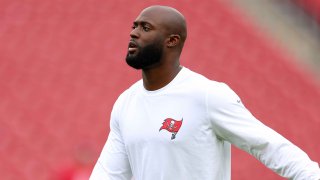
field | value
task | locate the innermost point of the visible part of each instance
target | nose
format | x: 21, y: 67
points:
x: 134, y: 33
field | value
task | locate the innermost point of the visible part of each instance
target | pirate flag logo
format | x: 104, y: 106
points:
x: 172, y: 126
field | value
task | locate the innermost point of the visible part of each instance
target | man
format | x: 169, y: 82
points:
x: 176, y: 124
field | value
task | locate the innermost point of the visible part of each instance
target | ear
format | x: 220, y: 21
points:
x: 173, y: 40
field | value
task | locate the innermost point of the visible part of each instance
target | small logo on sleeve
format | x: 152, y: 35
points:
x: 172, y: 126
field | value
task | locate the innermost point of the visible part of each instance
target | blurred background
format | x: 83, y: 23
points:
x: 62, y: 67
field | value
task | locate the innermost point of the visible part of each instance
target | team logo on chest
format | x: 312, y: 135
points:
x: 172, y: 126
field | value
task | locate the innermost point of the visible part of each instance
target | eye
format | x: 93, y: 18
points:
x: 133, y: 26
x: 146, y: 28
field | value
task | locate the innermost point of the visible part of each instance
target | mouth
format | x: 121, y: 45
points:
x: 132, y: 47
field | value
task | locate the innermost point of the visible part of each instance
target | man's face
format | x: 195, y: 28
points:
x: 145, y: 48
x: 144, y: 57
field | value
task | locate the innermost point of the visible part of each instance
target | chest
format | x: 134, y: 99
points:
x: 166, y: 119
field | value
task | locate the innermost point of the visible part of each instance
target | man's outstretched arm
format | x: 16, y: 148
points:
x: 232, y: 122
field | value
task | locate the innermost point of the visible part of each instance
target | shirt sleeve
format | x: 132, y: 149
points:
x: 232, y: 122
x: 113, y: 163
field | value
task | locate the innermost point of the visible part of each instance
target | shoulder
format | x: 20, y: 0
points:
x: 195, y: 80
x: 221, y: 89
x: 220, y: 96
x: 216, y: 92
x: 125, y: 95
x: 212, y: 87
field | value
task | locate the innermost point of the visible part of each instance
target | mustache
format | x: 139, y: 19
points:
x: 133, y: 44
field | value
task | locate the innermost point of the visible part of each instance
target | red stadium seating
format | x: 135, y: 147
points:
x: 62, y: 67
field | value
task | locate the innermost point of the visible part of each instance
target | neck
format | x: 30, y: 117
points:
x: 156, y: 78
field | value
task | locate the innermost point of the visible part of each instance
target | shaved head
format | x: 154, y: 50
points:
x: 171, y: 19
x: 157, y: 38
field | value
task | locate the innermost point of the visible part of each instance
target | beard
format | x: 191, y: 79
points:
x: 146, y: 57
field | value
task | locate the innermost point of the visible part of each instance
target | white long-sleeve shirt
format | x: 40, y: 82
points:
x: 183, y: 131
